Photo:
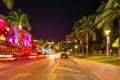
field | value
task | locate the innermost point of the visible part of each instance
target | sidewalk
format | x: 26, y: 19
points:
x: 101, y: 70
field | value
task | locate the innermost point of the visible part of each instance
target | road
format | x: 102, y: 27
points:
x: 43, y: 69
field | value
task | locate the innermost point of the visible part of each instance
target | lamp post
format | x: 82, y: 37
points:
x: 108, y: 42
x: 76, y: 47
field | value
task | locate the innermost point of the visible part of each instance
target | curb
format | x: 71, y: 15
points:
x: 74, y: 61
x: 87, y: 70
x: 83, y: 67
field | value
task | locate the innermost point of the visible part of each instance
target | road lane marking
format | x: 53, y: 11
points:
x: 53, y: 69
x: 21, y: 75
x: 52, y: 77
x: 69, y: 69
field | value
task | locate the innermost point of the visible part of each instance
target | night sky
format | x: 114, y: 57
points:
x: 52, y: 20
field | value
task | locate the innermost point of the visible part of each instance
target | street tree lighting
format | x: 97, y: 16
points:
x: 108, y: 42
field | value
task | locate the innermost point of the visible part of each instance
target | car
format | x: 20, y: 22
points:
x: 64, y: 55
x: 40, y: 55
x: 31, y: 56
x: 26, y: 56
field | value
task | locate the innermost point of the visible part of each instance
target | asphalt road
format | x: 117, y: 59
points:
x: 43, y: 69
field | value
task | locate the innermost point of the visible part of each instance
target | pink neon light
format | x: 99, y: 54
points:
x: 13, y: 40
x: 10, y: 40
x: 16, y: 41
x: 26, y: 43
x: 2, y: 24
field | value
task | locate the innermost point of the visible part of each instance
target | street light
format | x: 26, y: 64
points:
x: 108, y: 41
x: 76, y: 47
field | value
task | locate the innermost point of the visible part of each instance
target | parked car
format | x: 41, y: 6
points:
x: 64, y: 55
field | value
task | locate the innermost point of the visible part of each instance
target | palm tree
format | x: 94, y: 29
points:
x: 101, y: 7
x: 8, y: 3
x: 86, y: 29
x: 110, y: 13
x: 74, y: 35
x: 87, y: 32
x: 18, y: 20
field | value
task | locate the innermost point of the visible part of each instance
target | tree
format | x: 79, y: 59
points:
x: 8, y: 3
x: 74, y: 36
x: 101, y: 7
x: 86, y: 30
x: 18, y: 20
x: 110, y: 13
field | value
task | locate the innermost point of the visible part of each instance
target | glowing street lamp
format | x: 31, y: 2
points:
x: 70, y: 50
x: 76, y: 47
x: 108, y: 41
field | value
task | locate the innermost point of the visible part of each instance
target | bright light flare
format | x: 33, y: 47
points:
x: 52, y: 56
x: 31, y: 57
x: 107, y: 32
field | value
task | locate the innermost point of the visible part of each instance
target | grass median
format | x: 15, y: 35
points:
x: 110, y: 60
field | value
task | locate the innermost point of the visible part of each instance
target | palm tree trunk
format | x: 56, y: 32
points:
x: 82, y: 46
x: 87, y: 41
x: 119, y: 40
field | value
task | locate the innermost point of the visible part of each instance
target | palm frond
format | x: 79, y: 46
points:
x: 17, y: 18
x: 101, y: 7
x: 8, y: 3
